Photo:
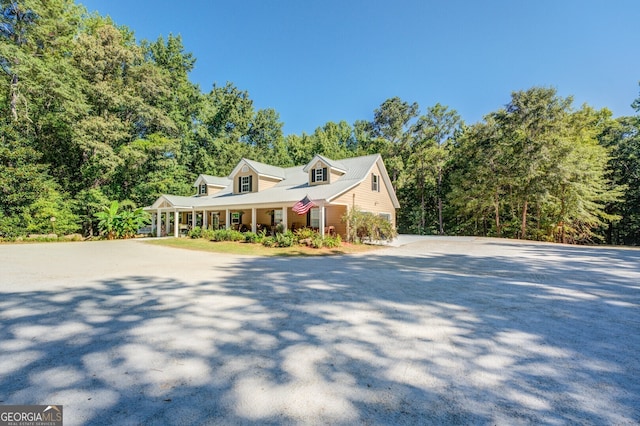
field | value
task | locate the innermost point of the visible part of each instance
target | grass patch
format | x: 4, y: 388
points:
x: 231, y: 247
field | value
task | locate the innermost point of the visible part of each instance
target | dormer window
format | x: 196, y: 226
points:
x: 319, y: 175
x: 203, y: 189
x: 245, y: 184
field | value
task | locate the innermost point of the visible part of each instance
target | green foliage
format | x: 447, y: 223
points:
x: 208, y: 234
x: 305, y: 233
x: 285, y: 239
x: 117, y: 222
x: 227, y: 235
x: 195, y: 232
x: 332, y: 242
x: 365, y: 226
x: 269, y: 242
x: 108, y: 218
x: 252, y: 237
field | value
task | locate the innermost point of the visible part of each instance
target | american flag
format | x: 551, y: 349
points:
x: 303, y: 206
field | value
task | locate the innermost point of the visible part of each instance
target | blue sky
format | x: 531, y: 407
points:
x: 316, y: 61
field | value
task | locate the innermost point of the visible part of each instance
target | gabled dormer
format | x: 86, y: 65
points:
x: 252, y: 176
x: 322, y: 170
x: 209, y: 185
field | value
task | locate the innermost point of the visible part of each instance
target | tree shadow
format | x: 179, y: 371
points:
x: 378, y: 338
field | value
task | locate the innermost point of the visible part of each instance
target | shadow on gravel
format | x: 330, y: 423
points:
x: 428, y: 339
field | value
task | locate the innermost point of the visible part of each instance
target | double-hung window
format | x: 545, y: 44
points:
x: 203, y: 189
x: 314, y: 218
x: 319, y: 175
x: 245, y: 184
x: 375, y: 182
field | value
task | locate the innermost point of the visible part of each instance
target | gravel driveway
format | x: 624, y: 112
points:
x: 437, y: 331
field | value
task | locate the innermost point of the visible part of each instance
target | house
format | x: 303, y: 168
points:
x: 258, y: 196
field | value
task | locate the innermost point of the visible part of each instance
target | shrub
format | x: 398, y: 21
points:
x: 269, y: 242
x: 227, y: 235
x: 367, y: 226
x: 195, y: 232
x: 207, y: 234
x: 251, y: 237
x: 121, y: 221
x: 305, y: 233
x: 285, y: 239
x: 332, y: 242
x: 316, y: 241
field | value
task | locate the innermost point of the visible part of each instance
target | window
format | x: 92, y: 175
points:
x: 277, y: 217
x: 203, y: 189
x: 386, y: 216
x: 375, y: 182
x: 244, y: 184
x: 319, y: 175
x: 314, y: 216
x: 235, y: 218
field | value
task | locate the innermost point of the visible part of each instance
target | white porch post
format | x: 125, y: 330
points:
x: 254, y: 225
x: 321, y: 224
x: 205, y: 219
x: 176, y: 224
x: 284, y: 219
x: 153, y: 224
x: 167, y: 223
x: 228, y: 220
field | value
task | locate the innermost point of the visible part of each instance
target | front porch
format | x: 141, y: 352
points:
x: 177, y: 221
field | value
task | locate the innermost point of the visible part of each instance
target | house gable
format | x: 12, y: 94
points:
x: 252, y: 176
x: 209, y: 185
x: 373, y: 193
x: 322, y: 171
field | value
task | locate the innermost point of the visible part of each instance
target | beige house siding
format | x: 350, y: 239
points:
x: 263, y: 217
x: 254, y: 181
x: 334, y: 176
x: 266, y: 183
x: 213, y: 189
x: 334, y: 218
x: 368, y: 200
x: 296, y: 220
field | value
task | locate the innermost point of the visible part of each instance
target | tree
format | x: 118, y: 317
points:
x: 391, y: 126
x: 480, y: 178
x: 430, y: 154
x: 622, y: 138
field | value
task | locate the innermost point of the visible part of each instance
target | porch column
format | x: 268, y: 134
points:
x: 322, y: 220
x: 153, y: 224
x: 254, y: 225
x: 284, y: 219
x: 205, y: 219
x: 176, y: 224
x: 167, y: 223
x: 228, y: 220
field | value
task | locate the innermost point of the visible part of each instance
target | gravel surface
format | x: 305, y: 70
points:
x: 430, y: 331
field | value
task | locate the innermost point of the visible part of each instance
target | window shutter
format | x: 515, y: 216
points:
x: 373, y: 184
x: 240, y: 184
x: 324, y: 174
x: 313, y: 175
x: 250, y: 183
